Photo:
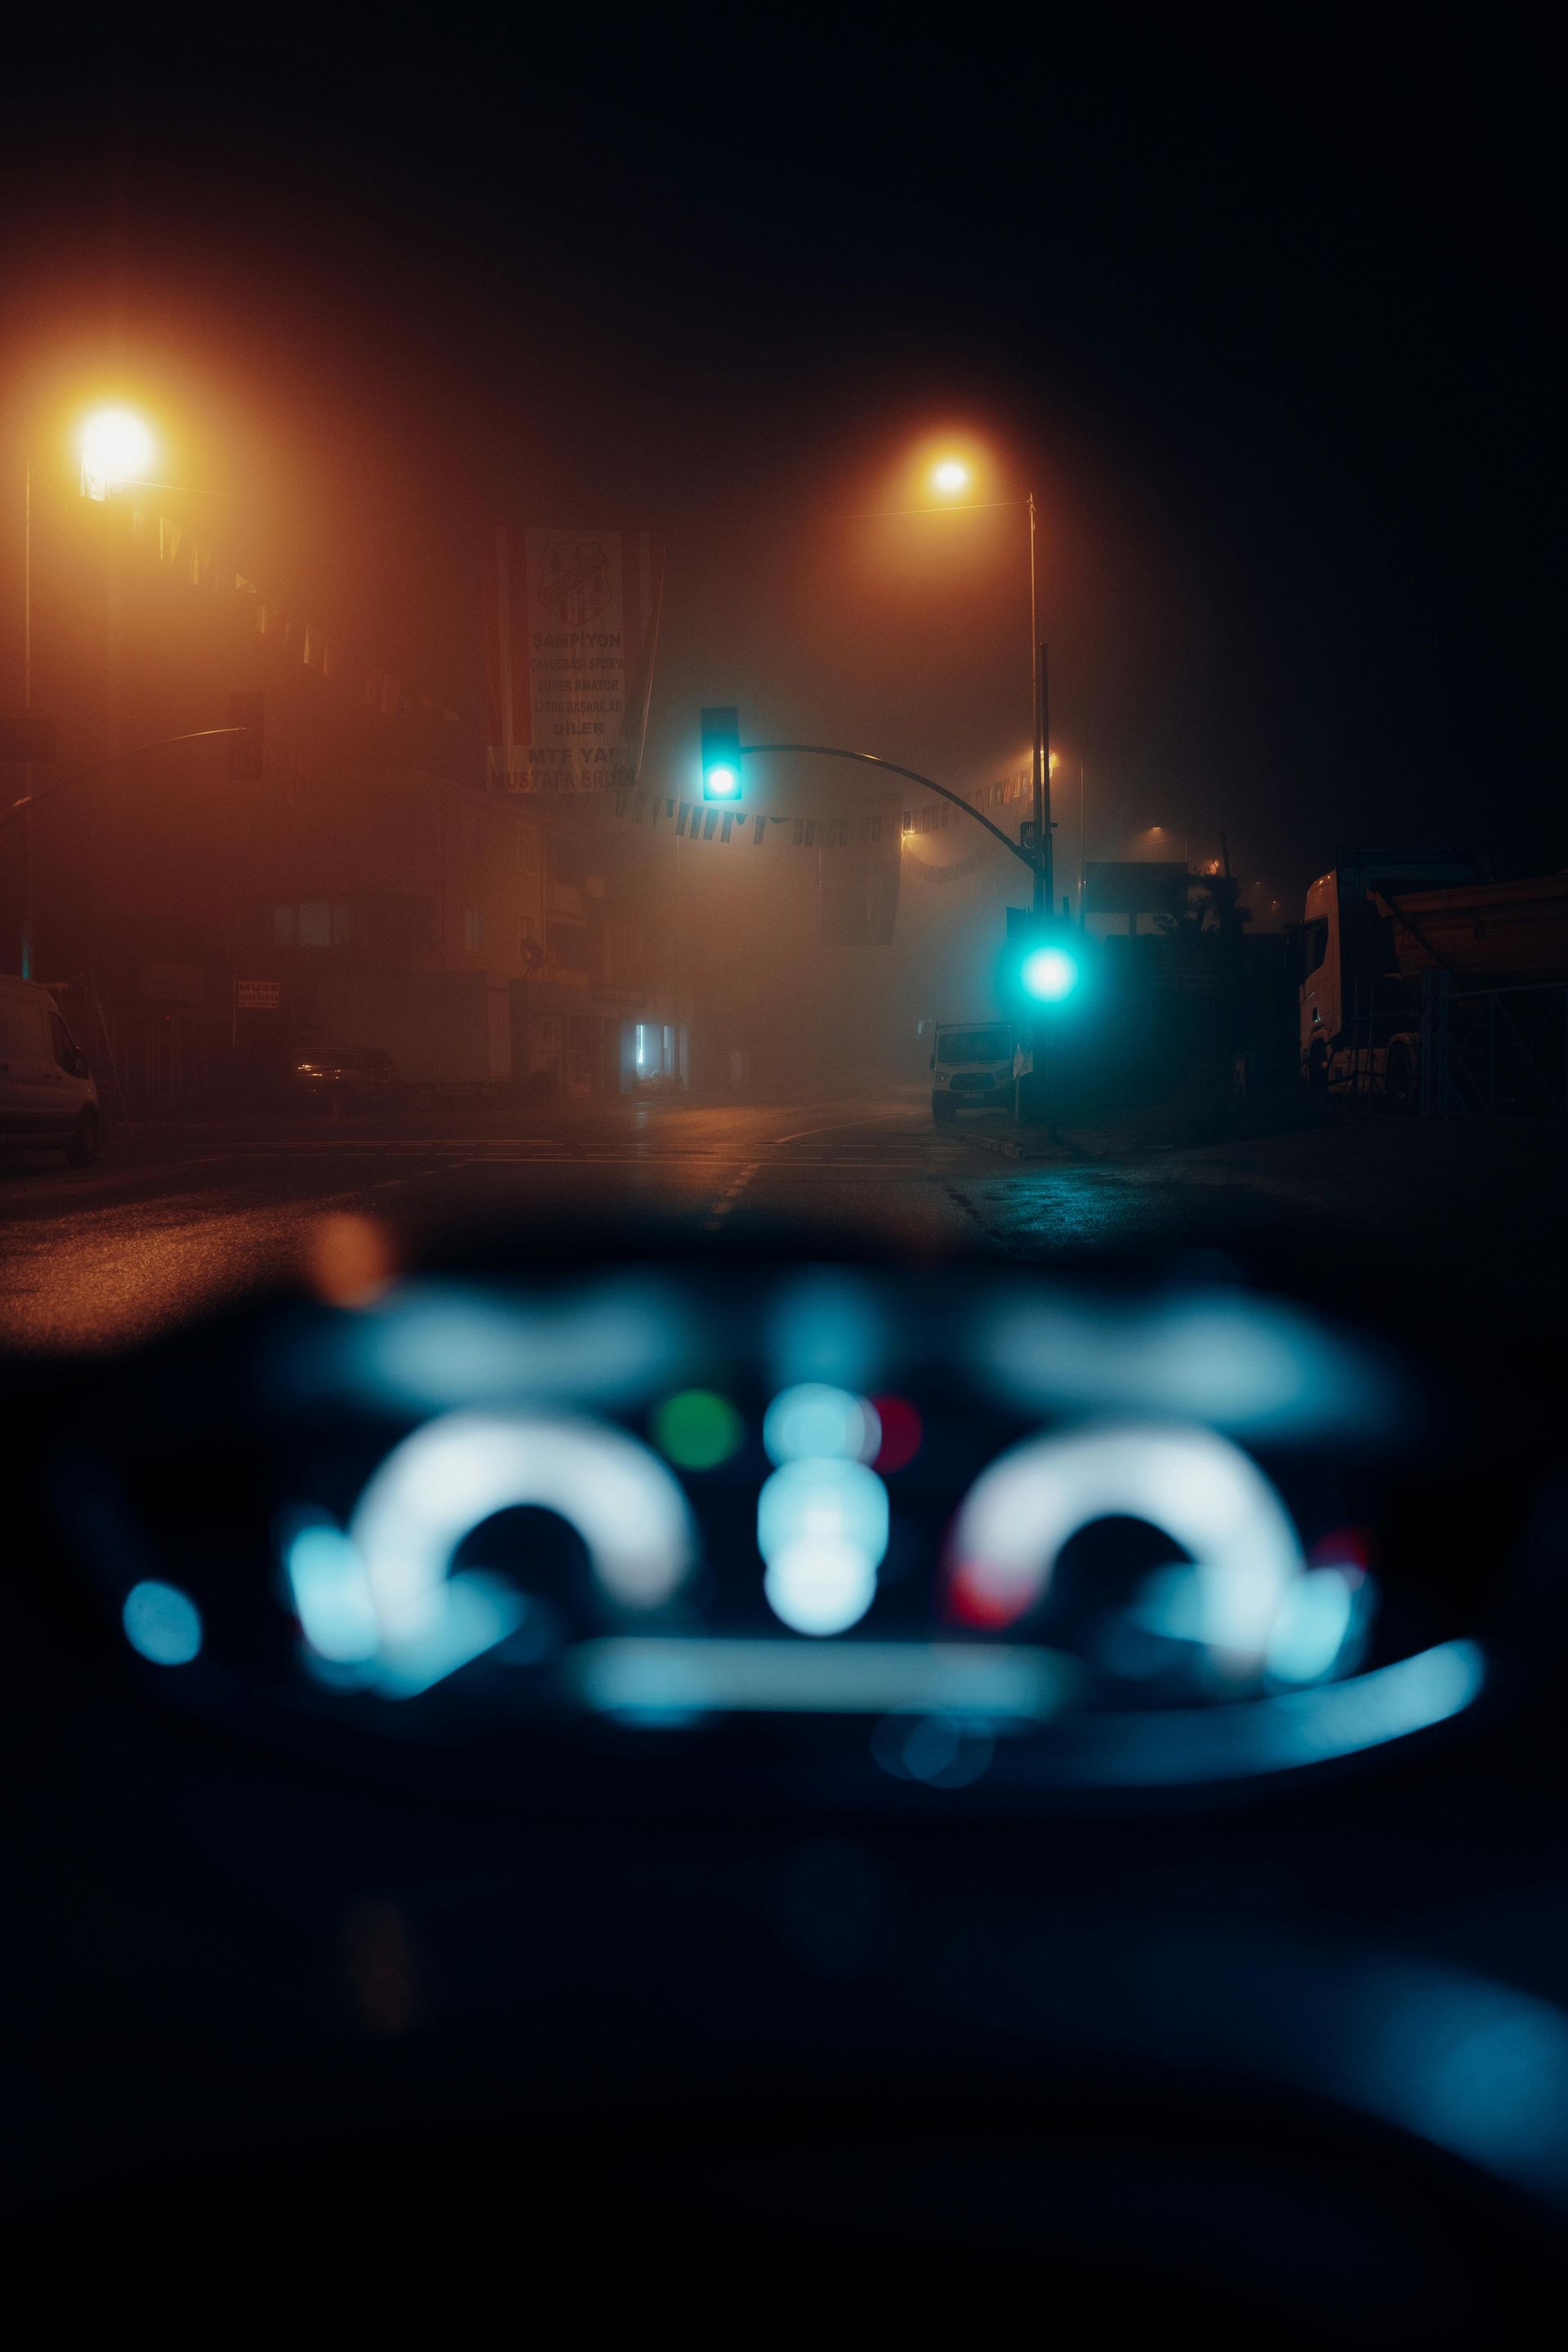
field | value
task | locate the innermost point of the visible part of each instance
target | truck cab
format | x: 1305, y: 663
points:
x: 1358, y: 1012
x: 971, y: 1066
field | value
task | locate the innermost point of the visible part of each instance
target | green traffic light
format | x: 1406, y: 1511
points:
x: 720, y: 752
x: 1048, y: 974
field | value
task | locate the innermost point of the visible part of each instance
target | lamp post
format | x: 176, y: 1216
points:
x: 27, y: 704
x: 116, y: 451
x: 950, y: 477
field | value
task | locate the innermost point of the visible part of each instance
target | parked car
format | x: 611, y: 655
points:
x: 339, y: 1075
x: 47, y: 1094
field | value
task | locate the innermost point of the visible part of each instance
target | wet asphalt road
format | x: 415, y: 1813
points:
x: 170, y: 1225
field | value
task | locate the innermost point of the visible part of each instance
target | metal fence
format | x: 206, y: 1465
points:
x: 1493, y: 1052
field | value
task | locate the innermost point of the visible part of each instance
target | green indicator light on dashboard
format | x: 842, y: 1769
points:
x: 697, y: 1429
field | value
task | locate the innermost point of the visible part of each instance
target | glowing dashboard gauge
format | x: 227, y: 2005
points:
x: 1123, y: 1543
x: 449, y: 1476
x: 1190, y: 1483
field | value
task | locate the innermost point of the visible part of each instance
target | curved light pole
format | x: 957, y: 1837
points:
x: 874, y: 759
x: 23, y: 807
x: 116, y: 451
x: 949, y: 475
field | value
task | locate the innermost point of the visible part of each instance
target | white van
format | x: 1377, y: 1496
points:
x: 47, y: 1091
x: 971, y: 1066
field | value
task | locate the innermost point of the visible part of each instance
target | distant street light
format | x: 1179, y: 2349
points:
x: 951, y: 477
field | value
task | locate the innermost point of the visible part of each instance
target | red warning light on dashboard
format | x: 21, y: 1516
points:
x: 902, y: 1430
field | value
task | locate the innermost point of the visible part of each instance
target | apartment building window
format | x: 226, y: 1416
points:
x: 474, y: 928
x: 313, y: 923
x: 527, y: 934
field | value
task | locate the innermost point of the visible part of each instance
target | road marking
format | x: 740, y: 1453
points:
x: 70, y: 1187
x: 865, y: 1119
x: 727, y: 1198
x: 910, y: 1167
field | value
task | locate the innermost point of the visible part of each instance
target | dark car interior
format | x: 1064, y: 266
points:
x: 598, y: 1784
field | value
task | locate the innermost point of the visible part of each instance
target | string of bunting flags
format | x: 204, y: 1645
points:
x: 699, y: 821
x: 960, y: 871
x: 175, y: 545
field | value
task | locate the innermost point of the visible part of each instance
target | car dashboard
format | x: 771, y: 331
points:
x: 845, y: 1772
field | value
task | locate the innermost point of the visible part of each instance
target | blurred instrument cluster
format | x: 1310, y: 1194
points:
x: 886, y: 1532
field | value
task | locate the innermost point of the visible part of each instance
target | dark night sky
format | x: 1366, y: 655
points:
x: 1268, y: 327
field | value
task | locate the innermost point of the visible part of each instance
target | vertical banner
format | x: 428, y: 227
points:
x: 571, y: 630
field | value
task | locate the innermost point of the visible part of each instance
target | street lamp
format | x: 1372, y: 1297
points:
x: 116, y: 450
x: 949, y: 479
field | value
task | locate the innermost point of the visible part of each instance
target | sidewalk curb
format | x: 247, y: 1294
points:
x: 1017, y: 1147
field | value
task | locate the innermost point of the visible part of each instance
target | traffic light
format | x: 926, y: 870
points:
x: 1044, y: 961
x: 722, y: 754
x: 245, y: 711
x: 1049, y: 974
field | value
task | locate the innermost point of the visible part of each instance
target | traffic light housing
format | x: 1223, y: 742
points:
x: 1044, y: 960
x: 722, y: 754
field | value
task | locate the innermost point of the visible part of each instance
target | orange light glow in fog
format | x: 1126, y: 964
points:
x: 116, y: 448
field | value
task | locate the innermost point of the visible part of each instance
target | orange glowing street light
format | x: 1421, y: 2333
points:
x: 949, y: 479
x: 116, y: 450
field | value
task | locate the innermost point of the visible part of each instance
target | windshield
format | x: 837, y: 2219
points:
x: 656, y: 1583
x: 974, y: 1045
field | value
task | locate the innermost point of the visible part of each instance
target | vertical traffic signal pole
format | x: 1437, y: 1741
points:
x: 1035, y: 1097
x: 1037, y: 683
x: 1045, y: 872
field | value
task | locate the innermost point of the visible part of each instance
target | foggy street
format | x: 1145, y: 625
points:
x: 168, y: 1229
x: 783, y: 1127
